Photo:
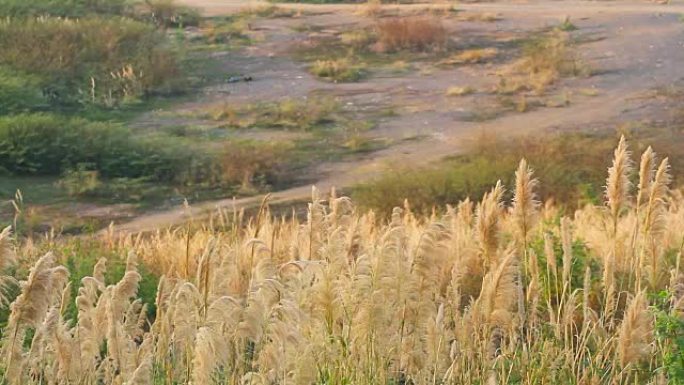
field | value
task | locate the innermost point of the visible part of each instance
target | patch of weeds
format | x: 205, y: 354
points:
x: 669, y: 333
x: 567, y: 25
x: 589, y: 91
x: 390, y: 42
x: 168, y: 14
x: 358, y: 40
x: 560, y: 160
x: 304, y: 27
x: 268, y: 11
x: 289, y: 114
x: 340, y: 70
x: 486, y: 17
x: 558, y: 101
x: 519, y: 103
x: 543, y: 62
x: 354, y: 138
x: 399, y: 66
x: 415, y: 34
x: 471, y: 56
x: 484, y: 114
x: 459, y: 91
x: 230, y: 30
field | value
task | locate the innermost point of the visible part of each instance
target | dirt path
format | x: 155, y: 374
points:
x: 637, y: 46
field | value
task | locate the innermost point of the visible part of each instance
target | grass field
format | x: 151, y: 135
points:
x: 492, y: 291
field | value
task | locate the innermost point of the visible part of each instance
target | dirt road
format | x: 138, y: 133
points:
x: 635, y: 47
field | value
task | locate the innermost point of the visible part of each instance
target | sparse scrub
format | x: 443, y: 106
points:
x: 63, y: 8
x: 269, y: 11
x: 168, y: 14
x: 253, y: 166
x: 94, y: 60
x: 108, y: 160
x: 486, y: 17
x: 571, y: 167
x: 459, y: 91
x: 339, y: 70
x: 42, y: 144
x: 567, y: 25
x: 19, y: 92
x: 471, y: 56
x: 411, y: 33
x: 227, y: 31
x: 544, y: 61
x: 292, y: 114
x: 502, y: 288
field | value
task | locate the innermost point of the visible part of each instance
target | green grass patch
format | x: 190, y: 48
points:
x: 288, y: 114
x: 571, y: 169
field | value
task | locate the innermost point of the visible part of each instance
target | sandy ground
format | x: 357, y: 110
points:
x: 634, y: 46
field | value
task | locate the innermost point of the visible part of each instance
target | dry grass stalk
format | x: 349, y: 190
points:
x: 345, y: 297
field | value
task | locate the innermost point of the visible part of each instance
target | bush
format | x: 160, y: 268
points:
x: 570, y: 166
x: 19, y: 92
x: 544, y: 60
x: 64, y: 8
x: 337, y: 70
x: 43, y: 144
x: 435, y: 187
x: 412, y: 33
x: 104, y: 61
x: 291, y: 114
x: 80, y: 181
x: 165, y: 13
x: 252, y: 165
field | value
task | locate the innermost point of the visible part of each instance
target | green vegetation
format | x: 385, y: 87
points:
x: 95, y: 60
x: 544, y: 60
x: 41, y: 144
x: 569, y: 165
x: 523, y: 293
x: 337, y: 70
x: 63, y: 8
x: 353, y: 54
x: 289, y: 114
x: 73, y: 73
x: 567, y: 25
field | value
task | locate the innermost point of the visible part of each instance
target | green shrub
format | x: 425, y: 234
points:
x: 337, y: 70
x: 108, y: 160
x: 166, y: 13
x: 290, y: 114
x: 43, y: 144
x: 94, y: 60
x: 80, y: 181
x: 435, y: 187
x: 64, y: 8
x: 571, y: 168
x: 19, y: 92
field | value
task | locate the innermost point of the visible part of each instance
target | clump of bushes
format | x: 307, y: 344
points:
x: 63, y: 8
x: 290, y: 114
x: 166, y: 14
x: 571, y: 167
x: 544, y: 60
x: 340, y: 70
x: 88, y: 154
x: 252, y: 165
x: 411, y: 33
x: 46, y: 144
x: 19, y: 92
x: 94, y: 60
